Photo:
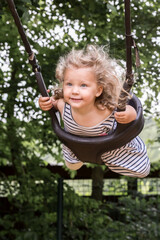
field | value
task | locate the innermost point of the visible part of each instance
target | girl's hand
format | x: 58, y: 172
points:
x: 126, y: 116
x: 46, y: 103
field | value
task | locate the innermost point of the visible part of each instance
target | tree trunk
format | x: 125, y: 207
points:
x: 13, y: 140
x: 97, y: 183
x: 132, y: 186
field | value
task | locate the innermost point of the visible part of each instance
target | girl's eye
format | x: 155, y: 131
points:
x: 69, y: 84
x: 83, y: 85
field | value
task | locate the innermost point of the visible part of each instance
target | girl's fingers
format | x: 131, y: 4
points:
x: 45, y: 103
x: 119, y: 114
x: 44, y: 99
x: 119, y: 117
x: 46, y: 107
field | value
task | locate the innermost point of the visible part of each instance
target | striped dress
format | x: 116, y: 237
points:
x: 129, y: 160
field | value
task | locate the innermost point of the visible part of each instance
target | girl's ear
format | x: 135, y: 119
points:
x: 99, y: 91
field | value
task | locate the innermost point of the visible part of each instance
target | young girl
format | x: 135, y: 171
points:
x: 87, y: 104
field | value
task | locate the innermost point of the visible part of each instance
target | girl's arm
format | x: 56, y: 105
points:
x: 126, y: 116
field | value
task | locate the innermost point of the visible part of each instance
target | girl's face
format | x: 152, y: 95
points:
x: 80, y: 88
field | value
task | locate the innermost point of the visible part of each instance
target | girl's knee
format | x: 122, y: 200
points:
x: 74, y: 166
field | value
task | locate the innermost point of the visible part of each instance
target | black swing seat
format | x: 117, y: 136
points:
x: 90, y: 149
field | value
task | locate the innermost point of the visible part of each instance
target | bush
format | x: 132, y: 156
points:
x: 130, y: 218
x: 31, y: 211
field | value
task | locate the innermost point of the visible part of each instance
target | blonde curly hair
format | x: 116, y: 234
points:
x: 108, y: 73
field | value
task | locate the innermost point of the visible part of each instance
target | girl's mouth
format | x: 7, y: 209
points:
x: 75, y: 99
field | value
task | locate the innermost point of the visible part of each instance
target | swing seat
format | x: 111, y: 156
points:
x: 90, y: 149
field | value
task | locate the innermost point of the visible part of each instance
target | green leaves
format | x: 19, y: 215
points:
x: 112, y: 8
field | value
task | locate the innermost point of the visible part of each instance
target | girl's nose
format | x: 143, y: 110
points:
x: 75, y: 90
